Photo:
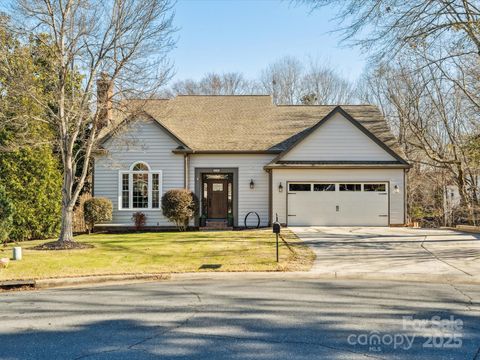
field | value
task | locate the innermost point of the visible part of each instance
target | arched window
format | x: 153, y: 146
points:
x: 140, y: 166
x: 140, y: 187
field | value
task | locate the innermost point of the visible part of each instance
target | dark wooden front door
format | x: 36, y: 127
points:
x: 217, y: 198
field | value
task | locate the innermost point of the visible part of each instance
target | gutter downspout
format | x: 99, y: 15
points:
x: 186, y: 170
x: 406, y: 218
x: 270, y: 194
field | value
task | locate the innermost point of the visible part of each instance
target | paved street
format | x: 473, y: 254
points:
x: 241, y: 317
x: 392, y: 251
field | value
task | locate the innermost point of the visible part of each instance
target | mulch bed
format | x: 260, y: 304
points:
x: 62, y: 245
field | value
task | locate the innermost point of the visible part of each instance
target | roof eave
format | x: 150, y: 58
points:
x: 337, y: 166
x: 182, y: 151
x: 227, y: 151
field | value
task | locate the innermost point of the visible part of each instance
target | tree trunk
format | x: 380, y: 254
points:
x: 464, y: 198
x: 461, y: 186
x: 66, y: 232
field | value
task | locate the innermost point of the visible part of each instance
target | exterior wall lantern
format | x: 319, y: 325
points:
x: 396, y: 189
x: 280, y: 187
x: 252, y: 184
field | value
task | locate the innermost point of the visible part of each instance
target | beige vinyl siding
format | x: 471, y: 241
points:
x: 250, y: 167
x: 337, y: 139
x: 143, y: 140
x: 393, y: 176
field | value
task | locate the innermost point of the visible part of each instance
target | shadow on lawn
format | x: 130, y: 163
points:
x: 203, y: 245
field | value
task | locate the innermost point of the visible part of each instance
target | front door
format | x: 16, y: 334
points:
x: 217, y: 195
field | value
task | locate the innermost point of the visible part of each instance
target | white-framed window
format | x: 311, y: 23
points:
x: 139, y: 188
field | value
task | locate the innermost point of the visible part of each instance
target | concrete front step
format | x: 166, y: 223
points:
x: 216, y: 225
x: 206, y: 228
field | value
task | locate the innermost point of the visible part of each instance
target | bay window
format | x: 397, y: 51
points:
x: 140, y: 188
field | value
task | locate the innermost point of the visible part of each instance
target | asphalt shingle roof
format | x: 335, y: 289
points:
x: 249, y: 123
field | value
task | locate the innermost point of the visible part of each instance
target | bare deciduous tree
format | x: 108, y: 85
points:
x: 430, y: 115
x: 291, y: 82
x: 122, y: 41
x: 327, y: 86
x: 287, y: 80
x: 232, y: 83
x: 385, y: 26
x: 444, y: 33
x: 282, y: 79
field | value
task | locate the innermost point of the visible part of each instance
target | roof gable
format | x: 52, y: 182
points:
x: 142, y: 115
x: 339, y: 138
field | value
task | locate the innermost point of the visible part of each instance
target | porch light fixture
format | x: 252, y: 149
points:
x: 280, y: 187
x: 252, y: 184
x: 396, y: 189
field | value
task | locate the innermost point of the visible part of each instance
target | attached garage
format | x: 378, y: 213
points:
x: 343, y: 171
x: 338, y: 203
x: 338, y: 196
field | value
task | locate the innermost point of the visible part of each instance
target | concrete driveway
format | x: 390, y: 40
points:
x: 393, y: 251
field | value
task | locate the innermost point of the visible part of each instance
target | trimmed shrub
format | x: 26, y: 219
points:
x: 6, y: 215
x: 79, y: 225
x: 140, y: 219
x: 178, y: 206
x: 96, y: 210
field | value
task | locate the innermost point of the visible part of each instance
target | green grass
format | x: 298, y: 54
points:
x: 133, y: 253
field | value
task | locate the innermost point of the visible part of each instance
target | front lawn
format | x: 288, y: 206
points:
x: 158, y: 252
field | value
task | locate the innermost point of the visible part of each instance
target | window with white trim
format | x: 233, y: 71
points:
x: 140, y: 188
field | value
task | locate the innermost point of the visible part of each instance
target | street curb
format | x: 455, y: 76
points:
x: 467, y: 229
x: 261, y: 275
x: 400, y: 277
x: 404, y: 277
x: 84, y: 280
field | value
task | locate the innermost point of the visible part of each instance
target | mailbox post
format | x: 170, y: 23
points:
x: 276, y: 231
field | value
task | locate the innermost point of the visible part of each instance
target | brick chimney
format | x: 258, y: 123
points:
x: 104, y: 100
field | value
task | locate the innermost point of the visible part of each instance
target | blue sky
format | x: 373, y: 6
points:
x: 246, y: 35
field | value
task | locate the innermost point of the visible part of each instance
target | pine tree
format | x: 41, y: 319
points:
x: 29, y: 168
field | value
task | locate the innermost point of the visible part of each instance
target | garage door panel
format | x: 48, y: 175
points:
x: 363, y: 209
x: 338, y: 208
x: 303, y: 204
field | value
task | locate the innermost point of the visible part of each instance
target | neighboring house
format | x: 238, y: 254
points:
x: 308, y: 165
x: 452, y: 201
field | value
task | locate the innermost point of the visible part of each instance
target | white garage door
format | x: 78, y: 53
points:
x: 338, y: 203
